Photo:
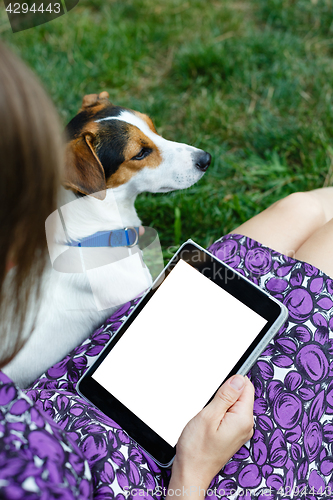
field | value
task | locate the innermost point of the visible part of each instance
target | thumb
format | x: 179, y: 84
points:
x: 226, y: 396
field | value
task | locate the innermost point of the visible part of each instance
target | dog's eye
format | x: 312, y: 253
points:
x: 142, y: 154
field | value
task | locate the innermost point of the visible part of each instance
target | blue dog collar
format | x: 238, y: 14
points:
x: 127, y: 237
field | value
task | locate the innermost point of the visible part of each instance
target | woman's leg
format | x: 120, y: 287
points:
x: 318, y: 249
x: 289, y: 223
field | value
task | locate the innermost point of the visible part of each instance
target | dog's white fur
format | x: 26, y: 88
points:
x: 68, y: 312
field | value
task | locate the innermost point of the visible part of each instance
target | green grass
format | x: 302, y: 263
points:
x: 249, y: 81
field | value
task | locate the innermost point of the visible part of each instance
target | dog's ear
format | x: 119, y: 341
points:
x: 91, y: 100
x: 83, y: 171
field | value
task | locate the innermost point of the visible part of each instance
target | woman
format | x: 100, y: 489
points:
x: 54, y: 445
x: 38, y: 459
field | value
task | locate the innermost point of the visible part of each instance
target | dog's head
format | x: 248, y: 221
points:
x: 112, y: 147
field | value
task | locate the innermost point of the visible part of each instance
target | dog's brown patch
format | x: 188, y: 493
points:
x: 146, y: 119
x: 83, y: 171
x: 137, y: 141
x: 92, y: 128
x: 97, y: 101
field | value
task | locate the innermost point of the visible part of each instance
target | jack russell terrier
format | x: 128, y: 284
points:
x: 112, y: 155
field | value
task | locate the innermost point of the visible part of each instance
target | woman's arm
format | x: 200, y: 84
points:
x: 211, y: 438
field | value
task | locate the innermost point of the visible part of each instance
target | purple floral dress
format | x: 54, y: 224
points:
x: 37, y: 458
x: 53, y: 440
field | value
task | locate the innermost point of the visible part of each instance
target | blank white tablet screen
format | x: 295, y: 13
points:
x: 178, y: 350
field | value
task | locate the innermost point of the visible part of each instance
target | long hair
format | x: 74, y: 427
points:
x: 31, y: 155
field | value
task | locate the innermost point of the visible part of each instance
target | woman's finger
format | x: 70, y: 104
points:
x: 246, y: 396
x: 226, y: 396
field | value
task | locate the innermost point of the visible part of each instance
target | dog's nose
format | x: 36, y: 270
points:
x: 203, y: 160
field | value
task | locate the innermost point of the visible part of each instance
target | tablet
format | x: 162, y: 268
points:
x: 200, y: 323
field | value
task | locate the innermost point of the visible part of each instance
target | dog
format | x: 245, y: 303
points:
x: 112, y: 155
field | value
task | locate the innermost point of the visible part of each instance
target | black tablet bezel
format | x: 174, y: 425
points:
x: 224, y: 276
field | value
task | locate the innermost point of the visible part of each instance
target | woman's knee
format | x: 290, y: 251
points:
x: 304, y: 207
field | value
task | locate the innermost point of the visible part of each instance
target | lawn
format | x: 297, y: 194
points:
x: 249, y: 81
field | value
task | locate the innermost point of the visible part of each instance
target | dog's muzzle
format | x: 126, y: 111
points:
x: 202, y: 160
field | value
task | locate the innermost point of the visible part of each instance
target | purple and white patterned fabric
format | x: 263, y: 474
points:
x: 289, y: 456
x: 37, y: 459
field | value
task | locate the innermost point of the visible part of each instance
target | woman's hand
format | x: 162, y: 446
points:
x: 212, y: 437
